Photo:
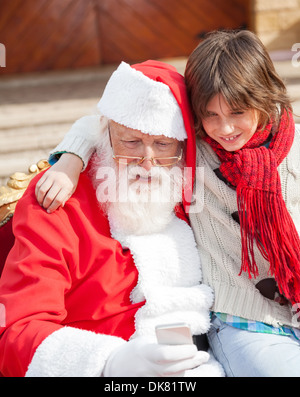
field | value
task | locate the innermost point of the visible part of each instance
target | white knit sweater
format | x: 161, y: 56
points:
x: 219, y: 242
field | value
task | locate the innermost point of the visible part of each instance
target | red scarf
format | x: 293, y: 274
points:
x: 263, y: 215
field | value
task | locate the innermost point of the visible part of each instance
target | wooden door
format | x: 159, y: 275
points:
x: 48, y: 35
x: 135, y: 30
x: 68, y: 34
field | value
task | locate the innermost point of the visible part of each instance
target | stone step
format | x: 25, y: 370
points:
x: 17, y: 116
x: 37, y: 129
x: 36, y: 111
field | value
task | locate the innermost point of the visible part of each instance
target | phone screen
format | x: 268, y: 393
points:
x: 174, y: 334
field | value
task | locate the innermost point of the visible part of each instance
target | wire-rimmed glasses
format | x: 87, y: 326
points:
x: 156, y: 161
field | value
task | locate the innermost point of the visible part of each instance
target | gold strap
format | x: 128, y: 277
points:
x: 15, y: 188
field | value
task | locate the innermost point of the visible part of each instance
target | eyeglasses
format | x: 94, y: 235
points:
x: 156, y: 161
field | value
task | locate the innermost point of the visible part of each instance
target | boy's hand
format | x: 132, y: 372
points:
x: 58, y: 184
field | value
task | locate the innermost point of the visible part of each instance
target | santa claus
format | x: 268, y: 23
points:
x: 85, y: 287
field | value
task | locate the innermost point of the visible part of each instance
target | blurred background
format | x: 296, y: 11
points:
x: 57, y: 55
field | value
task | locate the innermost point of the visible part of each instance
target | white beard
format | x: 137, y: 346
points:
x: 136, y: 205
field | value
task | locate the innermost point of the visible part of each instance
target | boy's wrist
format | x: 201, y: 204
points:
x: 74, y: 159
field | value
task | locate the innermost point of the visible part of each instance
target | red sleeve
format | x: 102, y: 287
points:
x: 33, y: 284
x: 6, y: 242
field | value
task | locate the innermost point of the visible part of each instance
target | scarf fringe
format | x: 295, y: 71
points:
x: 265, y: 220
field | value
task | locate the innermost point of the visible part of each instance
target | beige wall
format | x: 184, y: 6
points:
x: 277, y: 22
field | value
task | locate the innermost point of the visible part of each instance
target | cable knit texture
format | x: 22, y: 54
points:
x: 219, y: 239
x: 263, y: 216
x: 82, y: 138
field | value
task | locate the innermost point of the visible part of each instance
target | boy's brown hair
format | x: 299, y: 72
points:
x: 237, y: 65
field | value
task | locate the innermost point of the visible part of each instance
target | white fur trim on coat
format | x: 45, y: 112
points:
x: 72, y: 352
x: 169, y: 279
x: 136, y: 101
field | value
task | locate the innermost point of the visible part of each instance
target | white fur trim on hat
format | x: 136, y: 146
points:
x: 136, y: 101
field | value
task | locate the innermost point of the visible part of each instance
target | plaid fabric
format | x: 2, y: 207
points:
x: 256, y: 326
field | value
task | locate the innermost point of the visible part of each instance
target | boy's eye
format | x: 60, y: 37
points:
x: 210, y: 114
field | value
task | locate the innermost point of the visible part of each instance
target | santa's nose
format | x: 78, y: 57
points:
x: 147, y: 163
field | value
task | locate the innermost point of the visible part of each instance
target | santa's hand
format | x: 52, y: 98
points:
x: 57, y: 185
x: 139, y: 358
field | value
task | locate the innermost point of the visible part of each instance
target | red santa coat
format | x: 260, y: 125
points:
x: 72, y: 293
x: 64, y: 269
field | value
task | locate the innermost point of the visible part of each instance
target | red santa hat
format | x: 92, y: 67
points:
x: 151, y: 97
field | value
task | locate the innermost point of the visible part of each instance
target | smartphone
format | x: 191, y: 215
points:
x: 174, y: 334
